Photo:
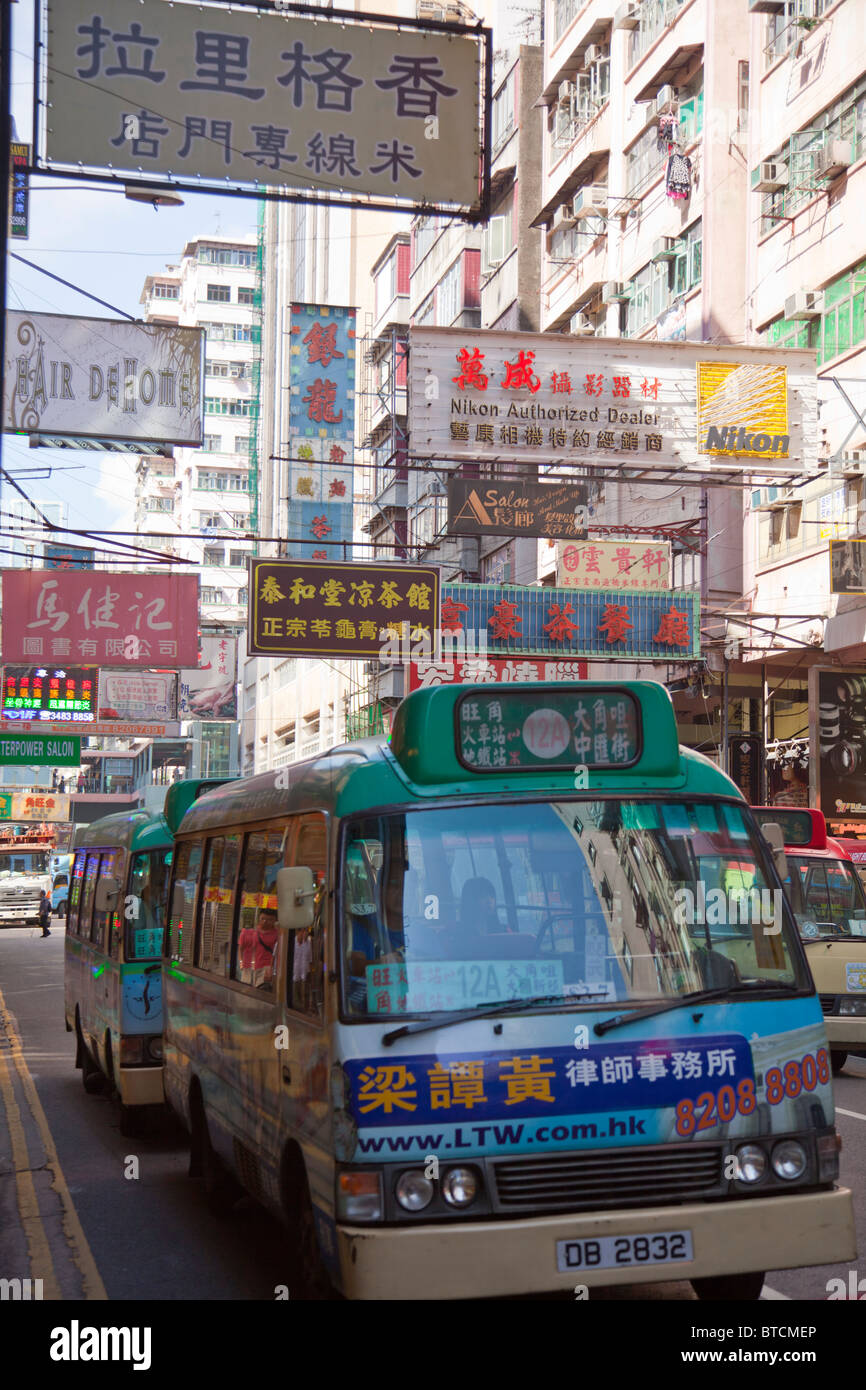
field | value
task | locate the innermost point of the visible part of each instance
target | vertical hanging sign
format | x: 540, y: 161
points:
x: 321, y: 432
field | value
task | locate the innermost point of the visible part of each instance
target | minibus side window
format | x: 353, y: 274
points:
x: 305, y: 972
x: 255, y: 954
x: 110, y: 867
x: 90, y: 874
x: 217, y: 904
x: 145, y: 909
x: 181, y: 936
x: 75, y: 895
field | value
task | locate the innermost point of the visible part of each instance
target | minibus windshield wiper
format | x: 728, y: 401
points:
x: 697, y: 996
x: 506, y: 1006
x: 829, y: 936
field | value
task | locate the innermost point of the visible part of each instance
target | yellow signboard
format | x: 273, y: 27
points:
x: 742, y: 409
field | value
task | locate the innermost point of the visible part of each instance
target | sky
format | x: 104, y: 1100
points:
x: 103, y: 243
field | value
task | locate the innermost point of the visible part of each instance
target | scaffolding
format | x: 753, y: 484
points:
x: 256, y: 398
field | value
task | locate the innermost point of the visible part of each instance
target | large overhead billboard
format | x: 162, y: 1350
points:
x: 102, y: 377
x: 123, y: 620
x: 349, y: 109
x: 516, y: 508
x: 545, y: 398
x: 322, y: 365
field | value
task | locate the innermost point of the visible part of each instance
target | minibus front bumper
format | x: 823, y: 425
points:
x: 140, y: 1085
x: 484, y: 1259
x: 846, y: 1032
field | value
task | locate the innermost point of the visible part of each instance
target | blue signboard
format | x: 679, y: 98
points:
x: 321, y: 431
x: 658, y: 626
x: 67, y: 557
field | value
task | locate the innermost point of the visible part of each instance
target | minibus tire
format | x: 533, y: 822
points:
x: 307, y: 1272
x: 837, y: 1061
x: 221, y: 1190
x: 92, y: 1077
x: 729, y: 1288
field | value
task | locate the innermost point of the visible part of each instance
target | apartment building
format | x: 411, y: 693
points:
x: 208, y: 494
x: 27, y: 550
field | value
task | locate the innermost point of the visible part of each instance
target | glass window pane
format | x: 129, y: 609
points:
x: 843, y: 327
x: 305, y: 982
x: 255, y: 953
x: 857, y: 317
x: 217, y: 906
x: 829, y: 335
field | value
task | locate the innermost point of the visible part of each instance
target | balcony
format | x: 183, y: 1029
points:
x: 576, y: 155
x: 573, y: 285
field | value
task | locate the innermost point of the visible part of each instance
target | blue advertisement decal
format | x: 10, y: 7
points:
x: 645, y: 1074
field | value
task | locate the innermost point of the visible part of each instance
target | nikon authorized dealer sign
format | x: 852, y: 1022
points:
x: 545, y: 398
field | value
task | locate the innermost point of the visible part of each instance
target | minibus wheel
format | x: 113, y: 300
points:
x: 307, y: 1273
x: 221, y: 1190
x: 837, y: 1061
x: 729, y: 1288
x: 91, y: 1076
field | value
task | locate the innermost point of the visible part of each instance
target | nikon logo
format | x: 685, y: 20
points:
x: 740, y: 441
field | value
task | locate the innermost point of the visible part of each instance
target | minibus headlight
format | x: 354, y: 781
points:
x: 131, y: 1051
x: 413, y: 1191
x: 359, y: 1196
x: 849, y: 1005
x: 460, y: 1186
x: 153, y: 1047
x: 828, y: 1157
x: 789, y: 1160
x: 751, y: 1163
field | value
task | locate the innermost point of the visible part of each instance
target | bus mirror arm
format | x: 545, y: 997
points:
x: 296, y: 891
x: 772, y: 833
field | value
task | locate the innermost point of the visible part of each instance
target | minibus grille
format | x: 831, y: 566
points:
x: 828, y: 1003
x: 610, y: 1177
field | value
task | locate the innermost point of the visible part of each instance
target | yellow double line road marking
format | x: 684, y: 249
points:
x: 41, y: 1262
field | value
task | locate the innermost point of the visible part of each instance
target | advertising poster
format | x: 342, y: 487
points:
x: 210, y: 692
x: 138, y: 695
x: 322, y: 369
x: 614, y: 565
x: 507, y: 508
x: 837, y: 762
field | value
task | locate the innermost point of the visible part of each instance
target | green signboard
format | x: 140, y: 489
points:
x: 42, y: 750
x: 510, y: 730
x: 5, y: 805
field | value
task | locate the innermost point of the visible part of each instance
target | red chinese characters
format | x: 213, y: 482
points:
x: 471, y: 374
x: 673, y: 629
x: 322, y: 344
x: 319, y: 527
x: 561, y: 383
x: 337, y: 488
x: 450, y: 618
x: 320, y: 400
x: 519, y: 374
x: 615, y: 623
x: 593, y: 384
x: 504, y: 622
x: 559, y: 626
x: 337, y: 455
x: 650, y: 388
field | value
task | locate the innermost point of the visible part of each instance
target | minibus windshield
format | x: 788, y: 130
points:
x: 602, y: 900
x: 827, y: 896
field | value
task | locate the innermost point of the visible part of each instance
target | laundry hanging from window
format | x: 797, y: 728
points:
x: 678, y: 182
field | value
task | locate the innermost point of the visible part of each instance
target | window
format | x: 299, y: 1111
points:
x: 655, y: 15
x: 223, y: 255
x: 212, y: 596
x: 449, y: 295
x: 246, y: 294
x: 207, y: 481
x: 148, y: 887
x: 844, y: 120
x: 111, y: 866
x: 160, y: 504
x: 426, y: 231
x: 181, y: 936
x: 498, y: 241
x: 242, y: 597
x: 503, y: 111
x: 222, y: 405
x: 165, y: 291
x: 286, y: 672
x: 219, y: 294
x: 691, y: 110
x: 216, y: 911
x: 211, y: 521
x: 238, y: 558
x: 386, y: 284
x: 240, y: 520
x: 213, y: 443
x: 427, y: 312
x: 842, y: 322
x: 213, y: 368
x: 242, y: 443
x: 87, y: 896
x: 654, y: 288
x: 305, y: 982
x: 643, y: 163
x: 213, y: 557
x: 255, y: 958
x: 230, y: 332
x: 75, y: 893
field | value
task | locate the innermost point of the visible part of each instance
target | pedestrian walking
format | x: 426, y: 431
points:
x: 80, y: 783
x: 45, y: 913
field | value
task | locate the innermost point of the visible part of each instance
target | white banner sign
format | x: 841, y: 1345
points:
x: 137, y: 695
x: 613, y: 564
x: 546, y: 398
x: 40, y: 806
x: 103, y: 378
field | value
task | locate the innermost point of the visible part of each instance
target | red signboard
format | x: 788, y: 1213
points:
x: 100, y: 619
x: 480, y: 670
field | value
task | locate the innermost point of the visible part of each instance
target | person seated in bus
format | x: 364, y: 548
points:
x: 302, y: 967
x: 265, y: 947
x: 478, y: 914
x: 246, y: 950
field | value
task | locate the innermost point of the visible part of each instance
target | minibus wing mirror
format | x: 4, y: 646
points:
x: 295, y: 893
x: 772, y: 832
x: 107, y: 893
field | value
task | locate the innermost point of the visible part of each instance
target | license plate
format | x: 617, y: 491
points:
x: 619, y: 1252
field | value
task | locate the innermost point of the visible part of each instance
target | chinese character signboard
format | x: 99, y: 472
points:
x: 545, y: 397
x: 321, y: 430
x: 746, y: 766
x: 846, y: 567
x: 39, y: 750
x: 40, y: 806
x: 102, y: 377
x: 614, y: 565
x: 67, y: 557
x: 500, y: 620
x: 837, y: 743
x: 479, y: 670
x: 210, y: 692
x: 305, y: 608
x: 354, y: 110
x: 141, y: 696
x: 60, y: 694
x: 108, y: 619
x: 19, y: 212
x: 516, y: 509
x: 559, y: 729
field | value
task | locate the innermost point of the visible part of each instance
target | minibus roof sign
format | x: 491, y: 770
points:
x: 801, y: 828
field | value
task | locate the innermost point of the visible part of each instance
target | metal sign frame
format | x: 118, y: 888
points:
x: 477, y: 213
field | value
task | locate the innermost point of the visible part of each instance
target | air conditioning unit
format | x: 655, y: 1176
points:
x: 766, y: 6
x: 590, y: 201
x: 664, y: 248
x: 855, y: 456
x: 664, y: 98
x: 833, y: 160
x: 564, y: 216
x: 805, y: 304
x: 627, y: 16
x: 581, y: 325
x: 563, y: 94
x: 592, y: 55
x: 853, y: 467
x: 771, y: 176
x: 614, y: 293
